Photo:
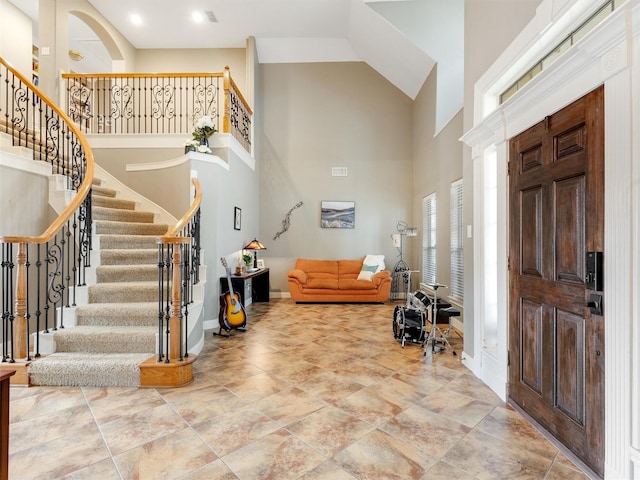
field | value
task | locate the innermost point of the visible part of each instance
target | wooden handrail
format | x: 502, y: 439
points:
x: 231, y: 82
x: 84, y: 188
x: 186, y: 218
x: 19, y: 324
x: 143, y: 75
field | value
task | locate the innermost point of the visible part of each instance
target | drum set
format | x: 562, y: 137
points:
x: 411, y: 321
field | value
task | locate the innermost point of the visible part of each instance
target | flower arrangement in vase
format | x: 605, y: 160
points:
x: 203, y: 128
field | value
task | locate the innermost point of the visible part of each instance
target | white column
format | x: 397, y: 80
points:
x: 618, y: 296
x: 635, y: 243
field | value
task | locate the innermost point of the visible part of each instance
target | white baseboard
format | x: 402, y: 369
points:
x: 279, y: 294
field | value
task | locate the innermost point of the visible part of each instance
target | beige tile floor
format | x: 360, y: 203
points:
x: 306, y: 392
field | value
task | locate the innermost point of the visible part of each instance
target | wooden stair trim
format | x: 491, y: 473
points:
x: 21, y: 377
x: 152, y: 372
x: 160, y: 374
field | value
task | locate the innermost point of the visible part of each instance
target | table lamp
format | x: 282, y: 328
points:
x: 255, y: 245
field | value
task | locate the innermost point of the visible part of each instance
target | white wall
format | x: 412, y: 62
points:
x: 24, y: 186
x: 486, y: 35
x: 319, y: 116
x: 223, y: 190
x: 53, y: 18
x: 437, y: 163
x: 15, y: 38
x: 201, y: 60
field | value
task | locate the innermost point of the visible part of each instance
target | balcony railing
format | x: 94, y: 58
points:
x: 159, y: 103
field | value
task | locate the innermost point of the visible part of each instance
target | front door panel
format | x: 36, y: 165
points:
x: 556, y: 371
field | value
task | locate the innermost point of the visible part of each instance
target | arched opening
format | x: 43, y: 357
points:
x: 91, y: 44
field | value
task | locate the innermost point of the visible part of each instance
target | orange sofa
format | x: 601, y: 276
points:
x: 337, y: 281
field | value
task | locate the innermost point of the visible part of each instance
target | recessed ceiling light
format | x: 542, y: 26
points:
x: 197, y: 17
x: 136, y: 19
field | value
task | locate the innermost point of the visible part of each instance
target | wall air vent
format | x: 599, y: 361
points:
x: 339, y: 171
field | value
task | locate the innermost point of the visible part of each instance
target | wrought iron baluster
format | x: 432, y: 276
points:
x: 167, y: 313
x: 160, y: 299
x: 39, y: 298
x: 28, y: 311
x: 183, y: 307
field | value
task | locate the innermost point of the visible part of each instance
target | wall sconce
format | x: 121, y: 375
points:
x: 75, y: 55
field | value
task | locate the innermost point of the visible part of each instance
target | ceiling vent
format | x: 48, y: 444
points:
x: 212, y: 18
x: 338, y: 171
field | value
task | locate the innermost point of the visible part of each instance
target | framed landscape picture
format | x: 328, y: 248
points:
x: 338, y: 214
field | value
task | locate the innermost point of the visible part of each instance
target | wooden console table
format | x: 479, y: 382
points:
x: 252, y: 286
x: 4, y: 423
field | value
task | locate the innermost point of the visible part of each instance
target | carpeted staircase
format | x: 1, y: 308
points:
x: 116, y: 329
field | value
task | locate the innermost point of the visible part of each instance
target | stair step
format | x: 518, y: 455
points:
x: 110, y: 202
x: 124, y: 273
x: 130, y: 228
x: 119, y: 215
x: 123, y: 292
x: 126, y: 314
x: 123, y: 242
x: 104, y: 191
x: 103, y: 339
x: 117, y: 330
x: 88, y: 369
x: 130, y: 256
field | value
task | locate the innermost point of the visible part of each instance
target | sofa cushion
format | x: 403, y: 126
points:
x: 299, y: 275
x: 349, y: 267
x: 317, y: 266
x: 367, y: 272
x: 377, y: 260
x: 355, y: 284
x: 315, y: 280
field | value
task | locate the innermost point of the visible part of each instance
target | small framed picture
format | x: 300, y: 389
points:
x: 237, y: 218
x: 260, y: 263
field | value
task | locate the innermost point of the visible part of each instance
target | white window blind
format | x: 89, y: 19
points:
x: 457, y: 240
x: 429, y: 239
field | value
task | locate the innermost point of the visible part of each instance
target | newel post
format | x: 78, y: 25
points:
x: 174, y: 321
x: 226, y: 119
x: 19, y: 340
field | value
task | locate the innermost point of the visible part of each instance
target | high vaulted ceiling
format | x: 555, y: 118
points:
x: 401, y: 39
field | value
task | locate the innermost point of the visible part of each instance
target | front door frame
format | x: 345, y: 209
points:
x: 599, y: 58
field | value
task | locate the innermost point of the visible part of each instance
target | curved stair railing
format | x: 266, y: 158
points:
x: 40, y: 273
x: 178, y: 272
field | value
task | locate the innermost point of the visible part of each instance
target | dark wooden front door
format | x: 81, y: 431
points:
x: 556, y: 345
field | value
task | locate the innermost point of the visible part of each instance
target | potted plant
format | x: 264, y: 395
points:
x: 203, y: 128
x: 191, y: 146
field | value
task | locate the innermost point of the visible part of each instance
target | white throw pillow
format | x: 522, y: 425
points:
x: 375, y: 260
x: 366, y: 275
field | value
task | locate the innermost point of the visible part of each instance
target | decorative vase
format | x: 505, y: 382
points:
x: 189, y: 148
x: 204, y: 141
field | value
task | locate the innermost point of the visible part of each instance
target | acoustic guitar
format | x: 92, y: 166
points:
x: 232, y: 314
